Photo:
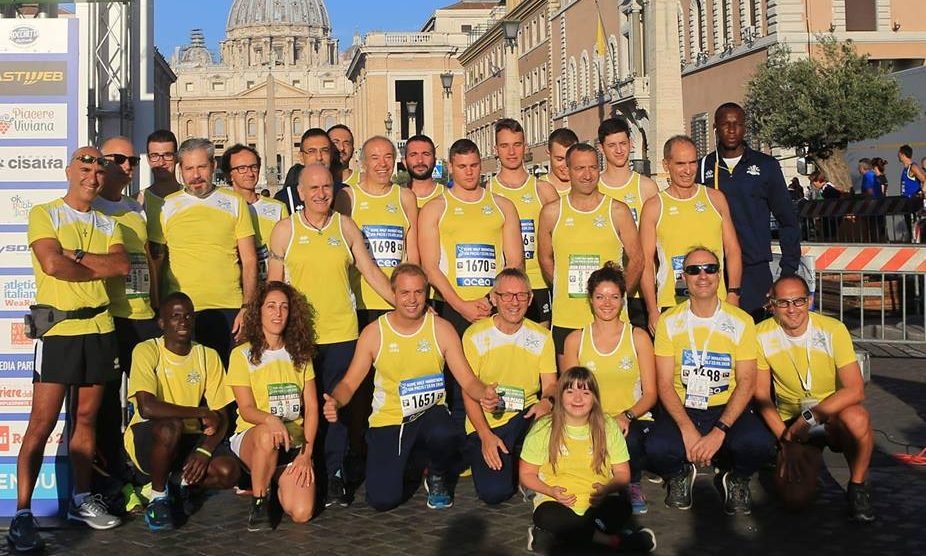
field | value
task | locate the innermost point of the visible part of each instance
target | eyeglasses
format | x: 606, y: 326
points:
x: 90, y: 159
x: 783, y: 303
x: 511, y: 296
x: 244, y: 168
x: 120, y: 159
x: 166, y: 157
x: 695, y: 269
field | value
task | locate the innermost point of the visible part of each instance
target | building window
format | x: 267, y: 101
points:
x: 218, y: 127
x: 249, y: 85
x: 466, y: 28
x: 218, y: 85
x: 583, y: 76
x: 699, y: 133
x: 252, y: 127
x: 188, y: 87
x: 572, y: 85
x: 297, y: 126
x: 297, y: 83
x: 328, y: 84
x: 861, y: 15
x: 190, y: 129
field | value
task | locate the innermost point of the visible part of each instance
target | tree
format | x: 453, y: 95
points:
x: 825, y: 102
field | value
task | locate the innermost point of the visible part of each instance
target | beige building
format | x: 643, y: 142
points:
x: 409, y: 83
x: 722, y: 42
x: 280, y: 72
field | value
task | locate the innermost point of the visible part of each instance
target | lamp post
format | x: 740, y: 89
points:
x: 412, y: 108
x: 388, y: 124
x: 512, y: 91
x: 446, y: 81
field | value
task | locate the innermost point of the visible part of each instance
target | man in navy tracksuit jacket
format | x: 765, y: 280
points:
x: 755, y: 187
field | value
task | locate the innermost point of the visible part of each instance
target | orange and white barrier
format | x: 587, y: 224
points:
x: 864, y: 258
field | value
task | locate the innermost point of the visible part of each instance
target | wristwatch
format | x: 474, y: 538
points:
x: 723, y: 427
x: 734, y: 290
x: 78, y: 255
x: 630, y: 415
x: 808, y: 416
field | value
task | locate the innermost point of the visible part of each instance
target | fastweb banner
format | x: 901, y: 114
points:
x: 38, y: 129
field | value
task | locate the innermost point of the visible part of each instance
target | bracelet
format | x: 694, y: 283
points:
x: 722, y: 427
x: 204, y: 451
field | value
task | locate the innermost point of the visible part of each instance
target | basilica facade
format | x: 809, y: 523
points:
x: 279, y: 72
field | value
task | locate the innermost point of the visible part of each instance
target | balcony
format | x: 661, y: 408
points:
x: 392, y: 39
x: 631, y: 87
x: 573, y: 106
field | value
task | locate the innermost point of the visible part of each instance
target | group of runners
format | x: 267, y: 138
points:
x: 560, y: 336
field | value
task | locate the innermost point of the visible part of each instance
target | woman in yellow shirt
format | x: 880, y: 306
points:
x: 576, y: 461
x: 273, y: 380
x: 621, y: 358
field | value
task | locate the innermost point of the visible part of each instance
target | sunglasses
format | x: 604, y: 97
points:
x: 695, y: 269
x: 90, y: 159
x: 783, y: 303
x: 121, y: 158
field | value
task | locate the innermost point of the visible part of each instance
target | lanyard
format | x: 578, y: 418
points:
x: 716, y: 170
x: 700, y: 359
x: 786, y: 344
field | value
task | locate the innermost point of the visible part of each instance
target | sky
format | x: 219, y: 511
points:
x: 173, y: 19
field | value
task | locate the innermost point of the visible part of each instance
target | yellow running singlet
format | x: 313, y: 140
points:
x: 439, y: 190
x: 629, y: 194
x: 526, y: 199
x: 129, y: 297
x: 471, y: 244
x: 618, y: 372
x: 384, y: 224
x: 265, y: 213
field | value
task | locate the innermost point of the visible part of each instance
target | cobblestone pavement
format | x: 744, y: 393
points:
x: 896, y: 399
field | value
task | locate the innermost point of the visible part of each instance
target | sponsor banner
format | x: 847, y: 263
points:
x: 33, y: 121
x: 14, y: 252
x: 33, y: 36
x: 15, y: 392
x: 29, y: 164
x: 18, y: 292
x: 13, y: 337
x: 11, y: 438
x: 47, y: 487
x: 15, y: 205
x: 33, y: 79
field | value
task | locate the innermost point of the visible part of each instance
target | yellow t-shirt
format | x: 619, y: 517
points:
x: 728, y: 337
x: 437, y: 192
x: 526, y: 199
x: 202, y: 240
x: 183, y: 380
x: 824, y: 347
x: 129, y: 297
x: 317, y: 263
x: 617, y: 372
x: 409, y: 374
x: 684, y: 224
x: 276, y: 385
x: 265, y: 213
x: 384, y: 224
x: 91, y: 231
x: 574, y: 465
x: 153, y: 207
x: 514, y: 361
x: 629, y: 194
x: 471, y: 244
x: 582, y: 243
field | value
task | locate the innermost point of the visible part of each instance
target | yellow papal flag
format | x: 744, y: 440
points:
x: 601, y: 43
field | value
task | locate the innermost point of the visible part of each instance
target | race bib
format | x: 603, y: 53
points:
x: 528, y: 238
x: 285, y: 401
x: 138, y: 281
x: 580, y: 268
x: 510, y: 398
x: 263, y: 257
x: 476, y: 265
x: 678, y: 272
x: 711, y: 378
x: 417, y: 395
x: 386, y: 244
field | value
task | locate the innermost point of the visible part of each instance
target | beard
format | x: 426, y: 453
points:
x: 423, y: 176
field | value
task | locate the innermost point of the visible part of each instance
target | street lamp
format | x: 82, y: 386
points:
x: 510, y: 28
x: 446, y: 81
x: 388, y: 123
x: 412, y: 108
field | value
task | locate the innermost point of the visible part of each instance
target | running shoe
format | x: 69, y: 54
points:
x: 637, y: 499
x: 860, y: 503
x: 440, y: 497
x: 679, y: 488
x: 94, y: 513
x: 157, y: 514
x: 736, y: 496
x: 259, y: 516
x: 23, y: 535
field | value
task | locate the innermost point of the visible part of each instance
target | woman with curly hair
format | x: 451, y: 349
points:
x: 273, y: 379
x: 576, y: 462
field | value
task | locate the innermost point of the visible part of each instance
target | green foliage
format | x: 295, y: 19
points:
x: 825, y: 102
x: 401, y: 178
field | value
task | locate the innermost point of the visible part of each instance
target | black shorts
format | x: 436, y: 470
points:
x: 559, y: 338
x: 541, y: 306
x: 130, y: 333
x: 144, y: 439
x: 76, y: 360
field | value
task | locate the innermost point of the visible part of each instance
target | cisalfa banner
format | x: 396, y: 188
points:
x: 38, y: 129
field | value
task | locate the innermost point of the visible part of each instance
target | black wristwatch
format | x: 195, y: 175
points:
x: 78, y: 255
x: 724, y: 428
x: 734, y: 290
x: 630, y: 415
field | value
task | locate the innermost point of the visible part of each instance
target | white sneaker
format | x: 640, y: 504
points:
x: 94, y: 513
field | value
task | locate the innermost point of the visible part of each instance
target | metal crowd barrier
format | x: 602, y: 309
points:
x: 860, y: 220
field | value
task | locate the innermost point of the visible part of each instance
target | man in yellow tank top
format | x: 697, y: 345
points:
x: 74, y: 250
x: 210, y: 247
x: 819, y: 390
x: 684, y: 216
x: 162, y: 158
x: 130, y: 297
x: 620, y: 182
x: 528, y: 195
x: 409, y: 347
x: 706, y: 376
x: 471, y: 235
x: 516, y: 353
x: 576, y: 236
x: 558, y: 143
x: 313, y: 250
x: 343, y: 139
x: 419, y: 162
x: 388, y: 218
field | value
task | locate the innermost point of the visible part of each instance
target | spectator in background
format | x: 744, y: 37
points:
x: 795, y: 189
x: 878, y: 165
x: 822, y: 188
x: 912, y: 176
x: 870, y: 185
